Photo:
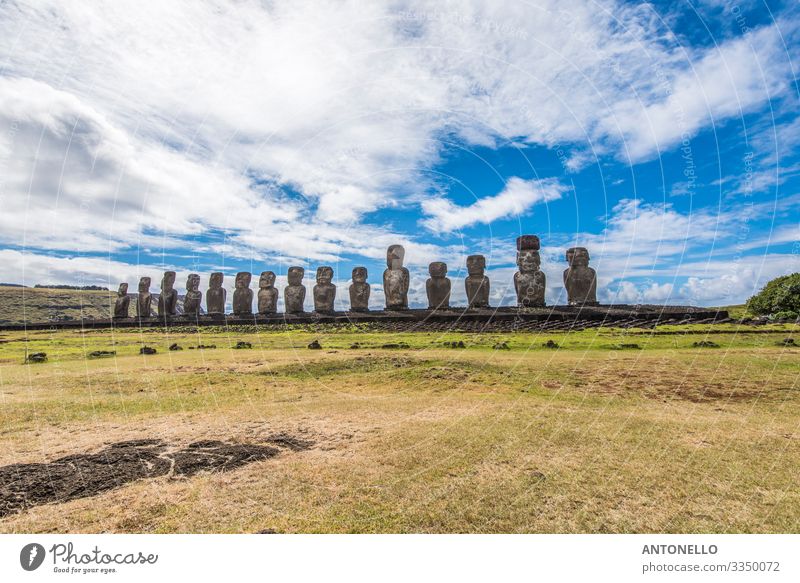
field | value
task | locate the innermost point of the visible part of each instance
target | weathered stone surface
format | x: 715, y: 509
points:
x: 528, y: 243
x: 359, y: 290
x: 529, y: 281
x: 216, y: 295
x: 267, y: 293
x: 294, y: 294
x: 144, y: 300
x: 122, y: 302
x: 243, y: 295
x: 194, y: 297
x: 580, y: 280
x: 396, y: 279
x: 324, y: 291
x: 438, y: 286
x: 168, y: 299
x: 476, y: 283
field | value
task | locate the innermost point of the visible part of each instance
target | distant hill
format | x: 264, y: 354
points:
x: 19, y: 305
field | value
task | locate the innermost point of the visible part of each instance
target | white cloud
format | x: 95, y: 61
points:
x: 515, y: 200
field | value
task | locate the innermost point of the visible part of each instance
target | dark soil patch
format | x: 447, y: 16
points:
x: 81, y: 475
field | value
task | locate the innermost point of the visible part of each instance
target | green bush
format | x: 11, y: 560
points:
x: 782, y: 294
x: 785, y: 315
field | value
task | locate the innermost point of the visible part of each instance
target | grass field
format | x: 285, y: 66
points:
x: 589, y: 437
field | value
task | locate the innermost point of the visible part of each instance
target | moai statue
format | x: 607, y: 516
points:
x: 580, y: 280
x: 168, y: 299
x: 267, y: 293
x: 294, y: 294
x: 359, y: 291
x: 438, y: 286
x: 476, y: 283
x: 144, y: 300
x: 396, y: 279
x: 529, y: 281
x: 123, y: 302
x: 243, y: 295
x: 216, y: 294
x: 194, y: 297
x: 324, y: 291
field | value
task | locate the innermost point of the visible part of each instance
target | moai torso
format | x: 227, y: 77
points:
x: 168, y: 299
x: 324, y: 291
x: 529, y: 281
x: 396, y: 279
x: 476, y: 283
x: 243, y: 295
x: 194, y: 297
x: 267, y: 293
x: 359, y: 290
x: 580, y: 280
x: 438, y: 286
x: 144, y: 300
x: 216, y: 294
x: 294, y: 294
x: 123, y: 302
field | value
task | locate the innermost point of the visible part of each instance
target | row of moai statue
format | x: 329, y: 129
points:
x: 580, y: 281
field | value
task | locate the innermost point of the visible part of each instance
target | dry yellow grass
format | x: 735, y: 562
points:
x: 421, y: 440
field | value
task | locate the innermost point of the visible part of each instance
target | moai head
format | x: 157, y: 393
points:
x: 359, y: 275
x: 476, y: 264
x: 193, y: 282
x: 295, y: 275
x: 266, y: 280
x: 123, y: 290
x: 216, y: 279
x: 243, y: 279
x: 528, y: 243
x: 168, y: 281
x: 528, y: 261
x: 394, y: 256
x: 437, y: 269
x: 578, y: 257
x: 324, y: 274
x: 144, y: 285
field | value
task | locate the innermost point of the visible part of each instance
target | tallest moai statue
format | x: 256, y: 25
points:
x: 529, y: 281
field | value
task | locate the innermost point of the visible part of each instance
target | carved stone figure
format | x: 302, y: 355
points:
x: 194, y: 297
x: 243, y: 295
x: 144, y: 300
x: 396, y: 279
x: 580, y: 280
x: 529, y: 281
x: 359, y: 291
x: 216, y: 295
x: 324, y: 291
x: 476, y: 283
x: 438, y: 286
x: 267, y: 293
x: 122, y: 302
x: 168, y: 299
x: 294, y: 294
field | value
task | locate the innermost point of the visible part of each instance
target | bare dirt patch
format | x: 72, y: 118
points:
x: 82, y: 475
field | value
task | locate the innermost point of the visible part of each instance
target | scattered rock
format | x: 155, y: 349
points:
x: 147, y: 350
x: 204, y: 347
x: 628, y: 346
x: 537, y: 476
x: 550, y: 344
x: 242, y: 345
x: 355, y: 345
x: 267, y: 531
x: 705, y: 344
x: 501, y: 346
x: 175, y: 346
x: 455, y: 344
x: 787, y: 342
x: 395, y: 345
x: 102, y: 353
x: 36, y: 357
x: 315, y: 345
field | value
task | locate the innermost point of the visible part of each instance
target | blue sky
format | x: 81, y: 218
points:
x: 202, y: 136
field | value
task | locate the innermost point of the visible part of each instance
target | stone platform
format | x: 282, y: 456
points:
x: 474, y: 320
